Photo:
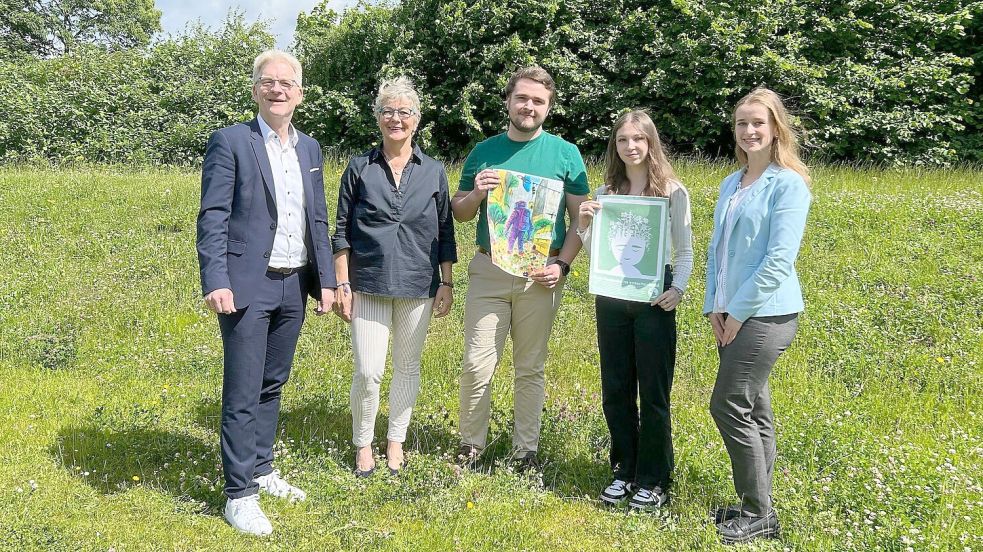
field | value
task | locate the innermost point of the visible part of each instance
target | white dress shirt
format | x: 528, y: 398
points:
x: 289, y: 250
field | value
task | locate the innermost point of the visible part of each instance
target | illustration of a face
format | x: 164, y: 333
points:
x: 628, y: 239
x: 628, y: 250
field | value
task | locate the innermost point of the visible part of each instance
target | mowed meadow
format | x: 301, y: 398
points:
x: 111, y: 384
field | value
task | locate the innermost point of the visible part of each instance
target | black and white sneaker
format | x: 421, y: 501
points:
x: 746, y: 528
x: 616, y: 493
x: 649, y: 500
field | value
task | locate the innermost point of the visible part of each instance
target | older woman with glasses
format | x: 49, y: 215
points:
x: 394, y: 247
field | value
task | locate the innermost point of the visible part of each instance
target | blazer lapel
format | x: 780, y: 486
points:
x: 756, y: 190
x: 262, y: 159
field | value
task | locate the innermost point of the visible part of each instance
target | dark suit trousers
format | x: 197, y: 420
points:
x: 637, y: 345
x: 259, y: 342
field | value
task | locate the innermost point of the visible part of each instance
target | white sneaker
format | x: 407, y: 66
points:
x: 244, y: 514
x: 617, y: 492
x: 275, y: 485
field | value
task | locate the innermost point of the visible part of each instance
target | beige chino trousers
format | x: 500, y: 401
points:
x: 499, y: 304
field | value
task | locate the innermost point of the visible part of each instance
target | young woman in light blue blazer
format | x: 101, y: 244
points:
x: 753, y: 299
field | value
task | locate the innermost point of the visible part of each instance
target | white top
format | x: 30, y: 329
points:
x: 289, y: 250
x: 680, y: 245
x: 719, y: 299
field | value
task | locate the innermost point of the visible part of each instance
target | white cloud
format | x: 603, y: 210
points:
x: 281, y: 14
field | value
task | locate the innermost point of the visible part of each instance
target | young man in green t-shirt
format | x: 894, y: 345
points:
x: 499, y: 303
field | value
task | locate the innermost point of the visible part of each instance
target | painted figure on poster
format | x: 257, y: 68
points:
x: 519, y: 225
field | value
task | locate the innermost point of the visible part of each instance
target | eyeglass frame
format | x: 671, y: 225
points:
x: 381, y: 112
x: 287, y: 85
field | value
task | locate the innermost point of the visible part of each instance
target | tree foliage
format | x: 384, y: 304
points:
x: 53, y: 27
x: 339, y: 86
x: 880, y: 80
x: 888, y: 81
x: 147, y: 105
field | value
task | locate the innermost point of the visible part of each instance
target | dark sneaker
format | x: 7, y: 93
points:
x: 746, y: 528
x: 525, y: 461
x: 725, y: 513
x: 616, y: 493
x: 649, y: 500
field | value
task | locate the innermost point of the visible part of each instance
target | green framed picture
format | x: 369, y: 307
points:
x: 628, y: 249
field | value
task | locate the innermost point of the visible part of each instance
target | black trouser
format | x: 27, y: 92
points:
x: 259, y: 343
x: 637, y: 343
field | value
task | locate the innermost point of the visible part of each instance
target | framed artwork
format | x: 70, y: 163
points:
x: 628, y: 247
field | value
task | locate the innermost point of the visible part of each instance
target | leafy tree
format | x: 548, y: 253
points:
x: 154, y: 104
x: 54, y: 27
x: 341, y: 55
x: 878, y: 80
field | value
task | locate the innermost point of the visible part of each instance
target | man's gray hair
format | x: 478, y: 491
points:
x: 276, y: 55
x: 399, y: 87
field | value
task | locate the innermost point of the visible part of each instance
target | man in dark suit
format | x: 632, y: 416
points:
x: 262, y: 247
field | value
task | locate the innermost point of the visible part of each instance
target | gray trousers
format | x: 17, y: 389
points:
x: 741, y: 405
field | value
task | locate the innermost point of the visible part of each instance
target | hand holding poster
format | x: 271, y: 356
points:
x: 628, y: 247
x: 521, y: 213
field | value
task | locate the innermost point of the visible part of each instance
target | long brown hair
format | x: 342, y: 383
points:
x: 660, y: 172
x: 785, y: 146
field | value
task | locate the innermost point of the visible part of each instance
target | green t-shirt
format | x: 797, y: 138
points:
x: 546, y: 155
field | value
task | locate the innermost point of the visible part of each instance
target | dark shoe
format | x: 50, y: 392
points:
x: 725, y: 513
x: 617, y: 492
x: 746, y: 528
x: 364, y: 473
x: 525, y: 461
x: 649, y: 500
x: 467, y: 455
x: 395, y: 471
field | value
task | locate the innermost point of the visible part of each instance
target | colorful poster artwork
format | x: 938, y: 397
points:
x: 521, y: 213
x: 628, y: 247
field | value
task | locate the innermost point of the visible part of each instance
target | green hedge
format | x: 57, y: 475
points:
x: 876, y: 80
x: 886, y: 81
x: 144, y: 105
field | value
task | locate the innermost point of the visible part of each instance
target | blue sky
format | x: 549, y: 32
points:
x: 281, y: 14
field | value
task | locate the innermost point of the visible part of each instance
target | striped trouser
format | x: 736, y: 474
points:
x: 373, y: 317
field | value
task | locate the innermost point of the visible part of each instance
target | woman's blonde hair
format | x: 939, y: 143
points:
x: 660, y: 172
x: 785, y: 144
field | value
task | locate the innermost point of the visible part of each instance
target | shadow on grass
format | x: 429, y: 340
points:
x: 325, y: 426
x: 575, y: 476
x: 115, y: 460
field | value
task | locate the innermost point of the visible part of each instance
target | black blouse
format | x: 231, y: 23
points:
x: 397, y: 236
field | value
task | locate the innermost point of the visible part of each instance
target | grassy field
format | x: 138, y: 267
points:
x: 111, y: 378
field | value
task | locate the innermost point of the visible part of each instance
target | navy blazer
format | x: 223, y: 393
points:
x: 238, y: 216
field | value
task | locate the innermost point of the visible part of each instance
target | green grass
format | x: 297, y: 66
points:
x: 111, y: 377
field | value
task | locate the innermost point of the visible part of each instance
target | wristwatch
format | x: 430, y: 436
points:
x: 564, y: 267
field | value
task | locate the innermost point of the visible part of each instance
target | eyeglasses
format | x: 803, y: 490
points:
x: 403, y: 113
x: 286, y: 85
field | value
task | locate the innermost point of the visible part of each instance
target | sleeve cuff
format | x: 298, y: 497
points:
x: 339, y: 243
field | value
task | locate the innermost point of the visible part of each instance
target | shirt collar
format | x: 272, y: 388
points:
x: 415, y: 156
x: 270, y: 134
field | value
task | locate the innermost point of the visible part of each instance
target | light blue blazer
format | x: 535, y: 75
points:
x: 767, y: 232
